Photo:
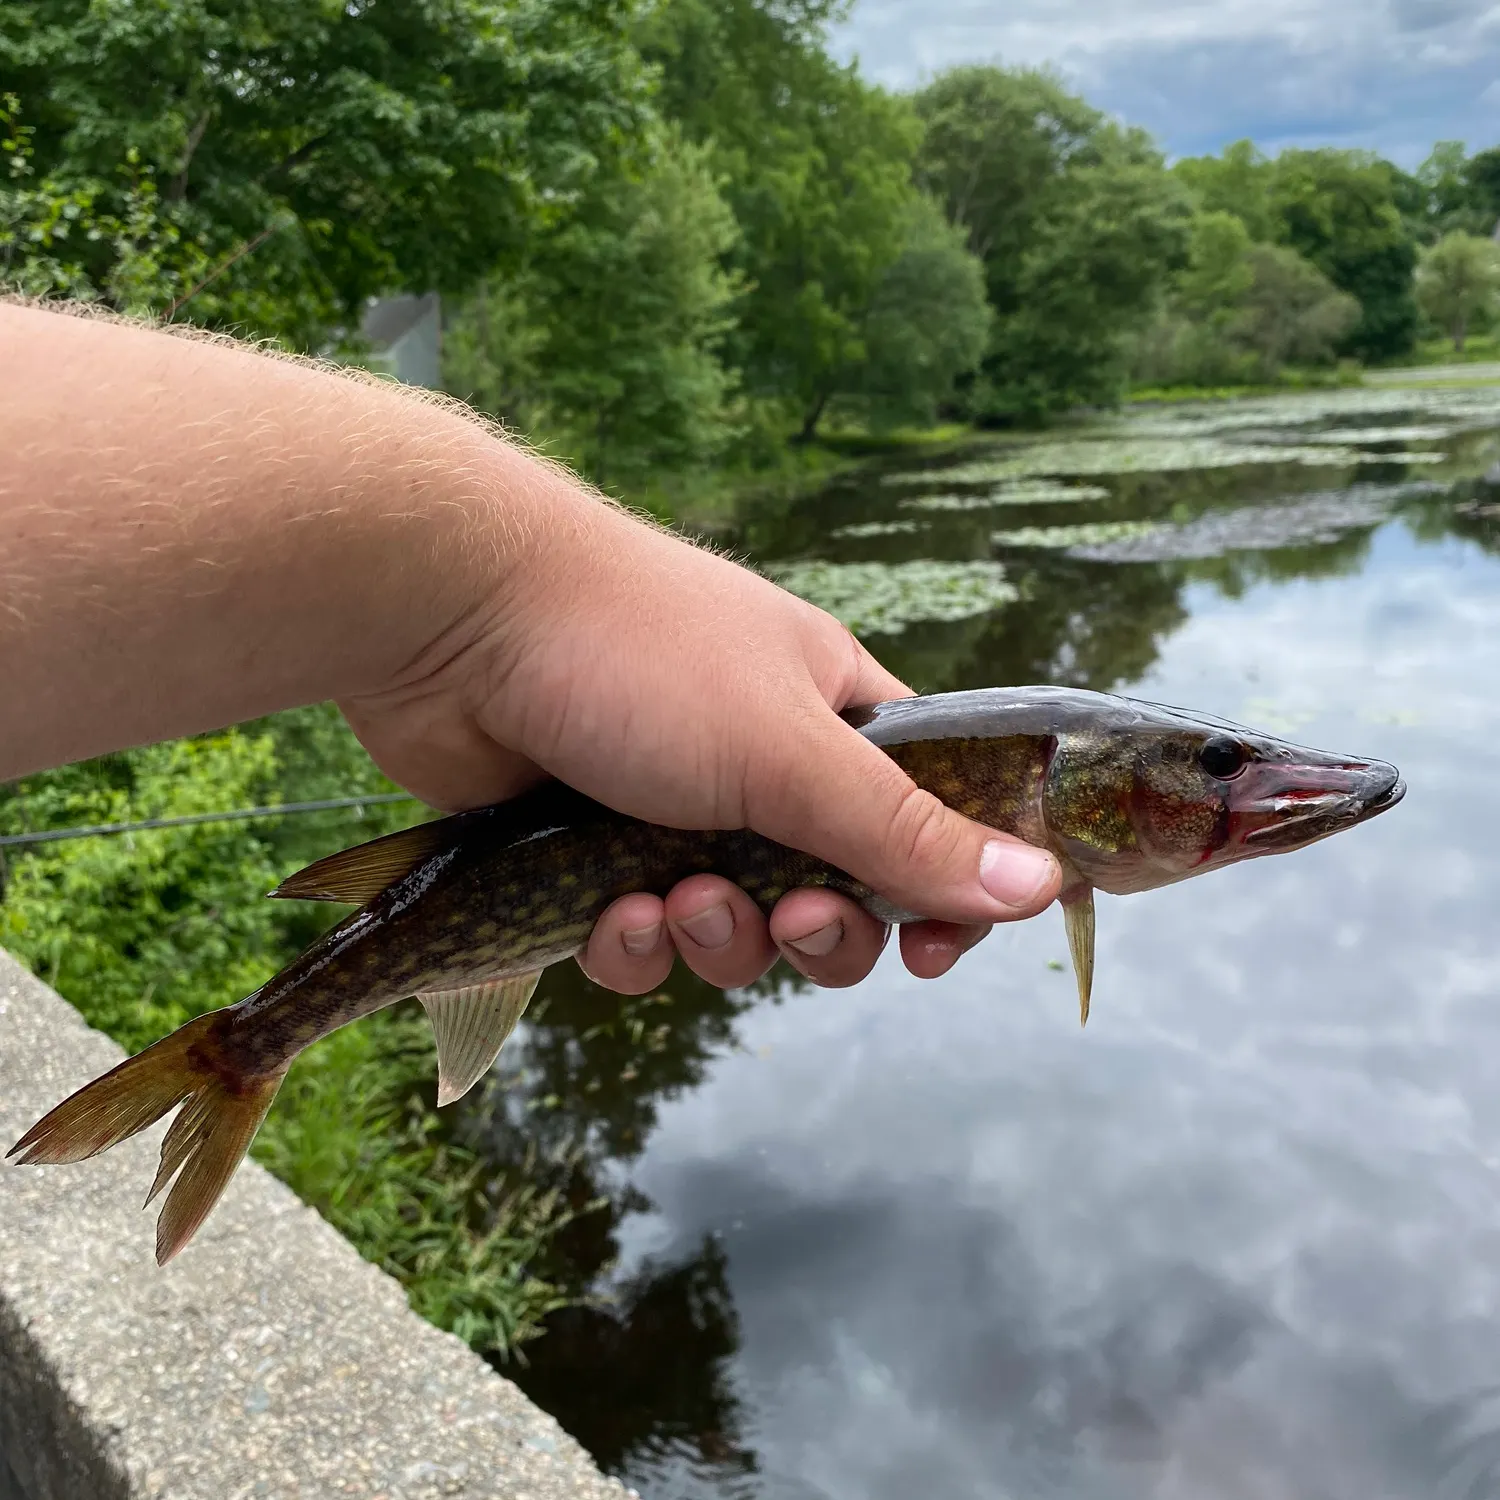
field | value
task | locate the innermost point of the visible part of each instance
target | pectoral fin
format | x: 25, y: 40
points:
x: 471, y: 1026
x: 360, y: 874
x: 1078, y: 913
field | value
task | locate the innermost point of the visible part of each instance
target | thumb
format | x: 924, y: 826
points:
x: 844, y: 800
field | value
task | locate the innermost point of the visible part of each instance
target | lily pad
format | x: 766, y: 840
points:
x: 1088, y: 534
x: 874, y: 598
x: 1028, y: 492
x: 1151, y: 455
x: 1318, y: 518
x: 877, y: 528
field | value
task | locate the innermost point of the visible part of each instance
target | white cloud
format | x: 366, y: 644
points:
x: 1393, y: 76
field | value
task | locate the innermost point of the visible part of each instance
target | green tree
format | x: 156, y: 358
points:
x: 993, y: 143
x: 1458, y: 283
x: 927, y: 323
x: 1483, y: 176
x: 1291, y: 313
x: 824, y: 218
x: 1445, y: 185
x: 608, y: 342
x: 1213, y: 284
x: 816, y: 165
x: 375, y: 146
x: 1341, y: 211
x: 1238, y: 182
x: 49, y: 228
x: 1076, y: 220
x: 1241, y: 311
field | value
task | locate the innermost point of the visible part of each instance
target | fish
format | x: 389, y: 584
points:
x: 466, y: 911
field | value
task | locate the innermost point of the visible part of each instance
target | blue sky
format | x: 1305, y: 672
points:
x: 1392, y: 75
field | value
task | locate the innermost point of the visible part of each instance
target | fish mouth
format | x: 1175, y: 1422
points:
x: 1277, y: 805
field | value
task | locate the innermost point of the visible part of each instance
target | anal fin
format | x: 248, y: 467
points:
x: 471, y: 1026
x: 1078, y: 914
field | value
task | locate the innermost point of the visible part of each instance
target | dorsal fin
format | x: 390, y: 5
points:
x: 471, y: 1026
x: 360, y: 874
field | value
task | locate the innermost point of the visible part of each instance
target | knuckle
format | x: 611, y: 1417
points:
x: 923, y: 834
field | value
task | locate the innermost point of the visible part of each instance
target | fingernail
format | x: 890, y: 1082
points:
x: 1015, y: 873
x: 639, y: 941
x: 818, y: 944
x: 710, y: 929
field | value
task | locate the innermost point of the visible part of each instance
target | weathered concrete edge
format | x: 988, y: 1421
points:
x: 269, y: 1359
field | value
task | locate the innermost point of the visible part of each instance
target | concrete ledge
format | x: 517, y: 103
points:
x: 268, y: 1361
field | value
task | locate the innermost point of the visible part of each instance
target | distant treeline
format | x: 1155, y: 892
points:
x: 680, y: 233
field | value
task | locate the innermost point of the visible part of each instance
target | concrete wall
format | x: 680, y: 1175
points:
x: 267, y: 1361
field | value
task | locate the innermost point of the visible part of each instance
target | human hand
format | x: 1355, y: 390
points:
x: 678, y: 687
x: 192, y: 535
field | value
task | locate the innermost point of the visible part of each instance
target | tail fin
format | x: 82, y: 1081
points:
x: 204, y: 1144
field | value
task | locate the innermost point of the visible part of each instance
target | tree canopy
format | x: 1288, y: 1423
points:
x: 1458, y: 284
x: 376, y: 146
x: 1076, y: 220
x: 1346, y: 212
x: 675, y: 232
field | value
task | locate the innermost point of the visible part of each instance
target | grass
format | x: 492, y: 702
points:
x: 1347, y: 373
x: 1479, y: 348
x: 353, y: 1135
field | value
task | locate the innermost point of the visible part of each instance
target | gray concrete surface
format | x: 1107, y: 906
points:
x: 267, y: 1361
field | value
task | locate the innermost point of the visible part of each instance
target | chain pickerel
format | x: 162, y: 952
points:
x: 466, y: 911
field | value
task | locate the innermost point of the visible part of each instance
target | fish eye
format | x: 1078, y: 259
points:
x: 1223, y: 757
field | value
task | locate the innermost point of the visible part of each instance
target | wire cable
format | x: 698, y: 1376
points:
x: 98, y: 830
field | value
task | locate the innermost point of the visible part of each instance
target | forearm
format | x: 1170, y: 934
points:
x: 285, y: 536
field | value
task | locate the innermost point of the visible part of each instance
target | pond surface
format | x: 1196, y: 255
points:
x: 1240, y: 1238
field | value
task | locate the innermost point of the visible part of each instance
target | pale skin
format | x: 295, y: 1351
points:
x: 192, y: 534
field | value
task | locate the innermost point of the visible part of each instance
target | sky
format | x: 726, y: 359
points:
x: 1389, y: 75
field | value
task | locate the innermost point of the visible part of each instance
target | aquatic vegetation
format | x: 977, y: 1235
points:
x: 1321, y: 517
x: 1432, y: 432
x: 877, y: 528
x: 1459, y: 409
x: 1028, y: 492
x: 1087, y: 534
x: 875, y: 598
x: 1317, y: 429
x: 1154, y: 455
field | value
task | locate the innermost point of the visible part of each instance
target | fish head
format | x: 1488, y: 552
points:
x: 1168, y: 795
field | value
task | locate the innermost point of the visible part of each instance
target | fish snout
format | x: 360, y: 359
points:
x: 1283, y: 804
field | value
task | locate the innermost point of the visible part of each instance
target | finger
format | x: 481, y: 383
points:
x: 719, y: 931
x: 827, y: 936
x: 446, y: 761
x: 872, y: 683
x: 845, y: 672
x: 629, y: 950
x: 930, y: 949
x: 836, y: 795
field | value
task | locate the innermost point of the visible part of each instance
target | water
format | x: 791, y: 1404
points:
x: 10, y: 1486
x: 1241, y: 1238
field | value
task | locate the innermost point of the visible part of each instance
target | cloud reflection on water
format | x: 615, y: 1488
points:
x: 1241, y: 1238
